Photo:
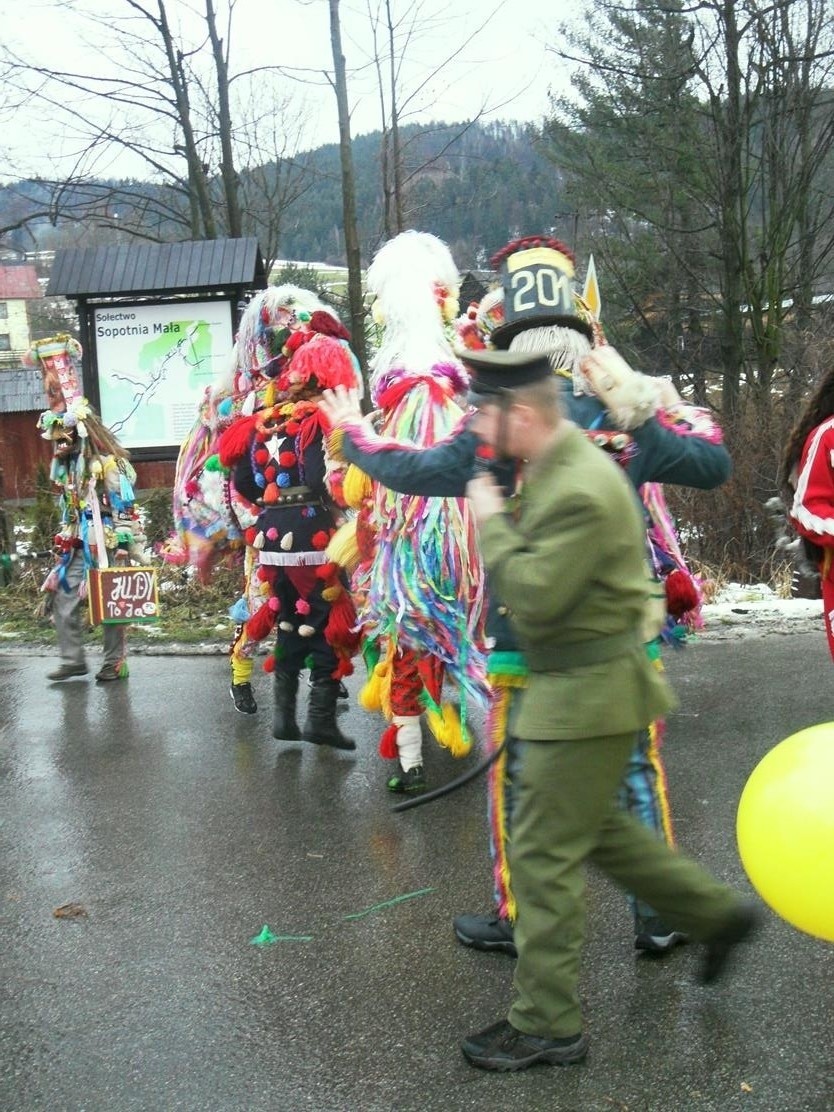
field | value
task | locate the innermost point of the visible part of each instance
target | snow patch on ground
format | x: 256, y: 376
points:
x: 745, y: 610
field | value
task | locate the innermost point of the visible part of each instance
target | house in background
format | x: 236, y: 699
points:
x: 21, y: 390
x: 18, y: 284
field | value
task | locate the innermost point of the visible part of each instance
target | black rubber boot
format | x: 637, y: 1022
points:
x: 320, y: 727
x: 284, y: 725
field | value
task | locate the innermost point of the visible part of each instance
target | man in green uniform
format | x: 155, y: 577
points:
x: 568, y: 560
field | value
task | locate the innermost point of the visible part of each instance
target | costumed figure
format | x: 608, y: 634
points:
x: 543, y: 313
x: 94, y: 479
x: 648, y: 430
x: 275, y: 459
x: 807, y: 484
x: 211, y: 514
x: 419, y: 584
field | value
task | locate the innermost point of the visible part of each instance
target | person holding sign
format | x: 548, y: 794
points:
x: 93, y: 479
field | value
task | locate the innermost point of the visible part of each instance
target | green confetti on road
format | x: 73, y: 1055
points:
x: 266, y: 937
x: 390, y: 903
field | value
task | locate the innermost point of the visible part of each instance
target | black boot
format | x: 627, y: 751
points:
x: 284, y: 725
x: 321, y: 727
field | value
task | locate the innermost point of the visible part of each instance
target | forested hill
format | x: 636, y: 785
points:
x: 473, y: 186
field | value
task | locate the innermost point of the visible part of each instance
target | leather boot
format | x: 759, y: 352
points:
x: 284, y: 725
x: 320, y: 727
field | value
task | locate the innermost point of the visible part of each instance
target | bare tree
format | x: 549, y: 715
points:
x: 395, y: 34
x: 352, y: 249
x: 177, y: 116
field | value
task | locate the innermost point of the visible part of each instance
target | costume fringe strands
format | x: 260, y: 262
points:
x: 425, y: 583
x: 496, y: 730
x: 419, y: 584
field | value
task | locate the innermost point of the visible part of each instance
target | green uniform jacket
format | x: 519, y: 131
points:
x: 571, y: 571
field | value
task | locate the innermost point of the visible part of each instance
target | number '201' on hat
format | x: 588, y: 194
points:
x: 536, y: 275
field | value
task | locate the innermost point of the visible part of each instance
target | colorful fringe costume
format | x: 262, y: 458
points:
x: 211, y: 513
x: 99, y: 524
x: 419, y: 587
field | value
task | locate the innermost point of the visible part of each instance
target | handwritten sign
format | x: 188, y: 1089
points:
x: 118, y: 595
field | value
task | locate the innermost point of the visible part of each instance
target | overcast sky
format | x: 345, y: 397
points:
x: 503, y: 68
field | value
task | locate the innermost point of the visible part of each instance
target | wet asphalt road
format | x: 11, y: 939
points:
x: 182, y: 828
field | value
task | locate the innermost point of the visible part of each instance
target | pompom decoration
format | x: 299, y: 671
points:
x: 240, y: 611
x: 356, y: 486
x: 681, y: 594
x: 448, y: 730
x: 302, y: 606
x: 323, y: 359
x: 269, y: 664
x: 388, y: 743
x: 327, y: 325
x: 320, y: 540
x: 306, y: 630
x: 261, y: 623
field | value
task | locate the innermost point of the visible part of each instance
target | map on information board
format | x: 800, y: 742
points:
x: 154, y: 364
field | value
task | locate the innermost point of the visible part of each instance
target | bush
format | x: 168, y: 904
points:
x: 158, y: 514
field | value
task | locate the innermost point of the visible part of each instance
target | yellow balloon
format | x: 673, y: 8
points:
x: 785, y: 830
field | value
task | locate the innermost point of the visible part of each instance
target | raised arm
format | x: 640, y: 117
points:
x: 442, y: 470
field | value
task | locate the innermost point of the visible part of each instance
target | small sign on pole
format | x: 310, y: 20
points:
x: 119, y: 595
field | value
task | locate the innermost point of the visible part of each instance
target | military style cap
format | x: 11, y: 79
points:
x: 494, y: 373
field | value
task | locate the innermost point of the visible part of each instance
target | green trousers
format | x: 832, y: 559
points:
x: 567, y: 814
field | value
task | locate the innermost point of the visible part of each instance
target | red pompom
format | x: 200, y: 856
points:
x: 286, y: 459
x: 296, y: 340
x: 234, y: 442
x: 261, y: 455
x: 388, y: 743
x: 250, y: 534
x: 270, y: 473
x: 320, y: 540
x: 292, y: 428
x: 327, y: 325
x: 326, y: 360
x: 269, y: 664
x: 681, y: 593
x: 260, y: 623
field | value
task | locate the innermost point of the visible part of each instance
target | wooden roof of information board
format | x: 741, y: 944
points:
x: 157, y: 268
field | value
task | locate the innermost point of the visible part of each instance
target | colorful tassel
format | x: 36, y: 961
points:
x: 681, y: 594
x: 448, y: 730
x: 342, y: 548
x: 356, y: 487
x: 388, y: 743
x: 240, y: 611
x: 261, y: 622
